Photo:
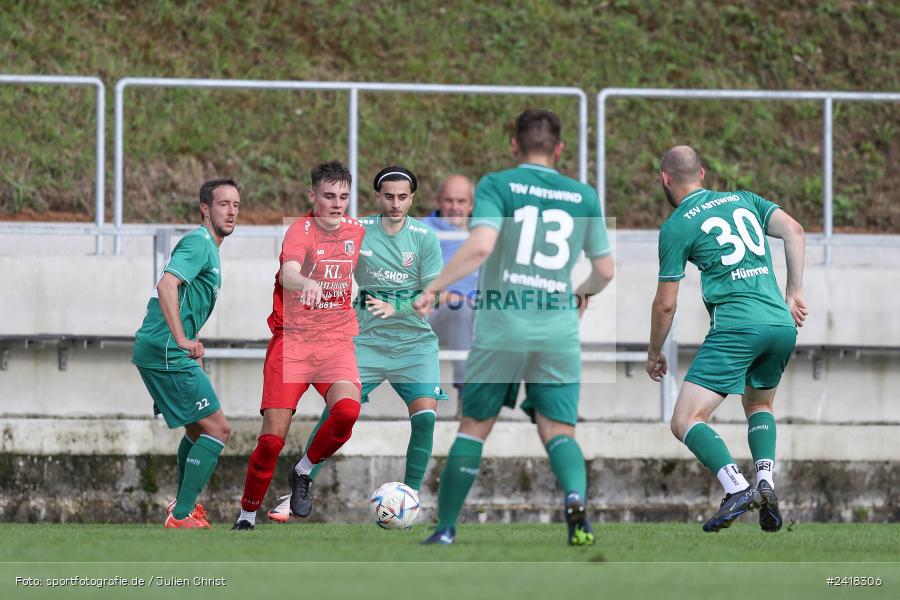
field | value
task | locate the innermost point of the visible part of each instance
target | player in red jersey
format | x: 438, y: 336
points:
x: 313, y: 324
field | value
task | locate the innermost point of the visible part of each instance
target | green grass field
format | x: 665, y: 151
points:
x: 522, y: 561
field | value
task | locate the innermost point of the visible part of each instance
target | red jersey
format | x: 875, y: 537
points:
x: 326, y: 256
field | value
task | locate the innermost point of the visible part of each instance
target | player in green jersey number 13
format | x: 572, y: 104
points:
x: 528, y: 228
x: 752, y: 326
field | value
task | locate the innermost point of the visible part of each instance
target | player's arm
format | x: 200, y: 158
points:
x: 167, y: 291
x: 473, y: 252
x: 781, y: 225
x: 602, y: 271
x: 292, y: 278
x: 661, y: 316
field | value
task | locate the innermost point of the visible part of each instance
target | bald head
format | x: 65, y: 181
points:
x: 454, y: 201
x: 682, y: 165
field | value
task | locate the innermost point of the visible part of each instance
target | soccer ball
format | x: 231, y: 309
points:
x: 394, y: 505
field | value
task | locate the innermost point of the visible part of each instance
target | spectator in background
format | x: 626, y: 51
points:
x: 452, y: 321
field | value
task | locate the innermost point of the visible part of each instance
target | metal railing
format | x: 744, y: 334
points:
x: 827, y: 98
x: 353, y: 114
x: 99, y: 138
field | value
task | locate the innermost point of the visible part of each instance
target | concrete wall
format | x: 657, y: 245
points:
x: 124, y: 470
x: 90, y: 424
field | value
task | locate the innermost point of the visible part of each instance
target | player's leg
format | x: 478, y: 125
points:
x: 761, y: 435
x: 553, y: 406
x: 762, y: 380
x: 212, y: 433
x: 280, y: 395
x: 415, y: 375
x: 422, y: 417
x: 261, y: 465
x: 720, y: 368
x: 460, y: 472
x: 693, y: 410
x: 342, y: 400
x: 493, y: 381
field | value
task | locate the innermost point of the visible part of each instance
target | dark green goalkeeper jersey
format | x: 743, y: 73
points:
x: 724, y: 235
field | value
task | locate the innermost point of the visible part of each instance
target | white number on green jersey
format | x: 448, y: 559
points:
x: 528, y: 216
x: 741, y: 217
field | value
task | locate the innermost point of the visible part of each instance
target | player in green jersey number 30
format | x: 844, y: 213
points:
x: 752, y: 326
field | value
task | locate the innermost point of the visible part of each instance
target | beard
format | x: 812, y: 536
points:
x: 219, y: 230
x: 669, y: 196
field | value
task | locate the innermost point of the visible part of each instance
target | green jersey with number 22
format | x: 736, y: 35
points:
x: 724, y: 235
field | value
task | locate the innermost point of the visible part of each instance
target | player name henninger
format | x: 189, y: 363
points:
x: 745, y: 273
x: 535, y: 281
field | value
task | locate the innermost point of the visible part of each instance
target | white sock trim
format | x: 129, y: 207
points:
x: 466, y: 436
x: 731, y: 479
x: 209, y: 437
x: 304, y: 466
x: 765, y: 469
x: 694, y: 424
x: 247, y: 516
x: 188, y: 438
x: 761, y: 410
x: 424, y: 410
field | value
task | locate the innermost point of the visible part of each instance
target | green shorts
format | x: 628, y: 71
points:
x: 412, y: 368
x: 552, y: 383
x: 730, y: 360
x: 181, y: 397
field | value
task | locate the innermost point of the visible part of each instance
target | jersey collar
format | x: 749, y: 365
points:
x: 384, y: 231
x: 537, y: 167
x: 692, y: 196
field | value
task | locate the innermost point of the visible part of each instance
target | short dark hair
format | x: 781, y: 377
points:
x: 538, y: 130
x: 395, y: 173
x: 208, y: 187
x: 682, y: 164
x: 330, y: 172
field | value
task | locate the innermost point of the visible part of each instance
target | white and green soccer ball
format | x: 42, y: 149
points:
x: 394, y: 505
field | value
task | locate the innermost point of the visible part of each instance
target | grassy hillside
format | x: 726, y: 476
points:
x: 269, y: 140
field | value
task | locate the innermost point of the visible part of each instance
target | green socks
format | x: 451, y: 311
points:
x: 761, y: 437
x: 711, y: 450
x: 567, y: 463
x: 417, y: 453
x: 421, y: 439
x: 315, y: 470
x: 183, y: 449
x: 457, y: 478
x: 199, y: 466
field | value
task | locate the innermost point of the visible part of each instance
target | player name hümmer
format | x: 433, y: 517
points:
x: 745, y: 273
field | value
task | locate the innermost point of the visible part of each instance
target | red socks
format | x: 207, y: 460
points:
x: 260, y: 471
x: 335, y: 431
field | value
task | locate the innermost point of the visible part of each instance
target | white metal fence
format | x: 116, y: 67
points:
x: 353, y: 114
x: 99, y: 138
x: 827, y: 98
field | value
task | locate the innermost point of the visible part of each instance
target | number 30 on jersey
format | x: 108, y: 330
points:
x: 741, y: 218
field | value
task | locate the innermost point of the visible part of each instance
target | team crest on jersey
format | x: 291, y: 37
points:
x: 408, y: 258
x: 348, y: 247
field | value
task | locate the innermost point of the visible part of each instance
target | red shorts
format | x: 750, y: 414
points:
x: 288, y: 374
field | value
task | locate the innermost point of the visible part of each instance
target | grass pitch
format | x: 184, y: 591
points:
x: 488, y: 561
